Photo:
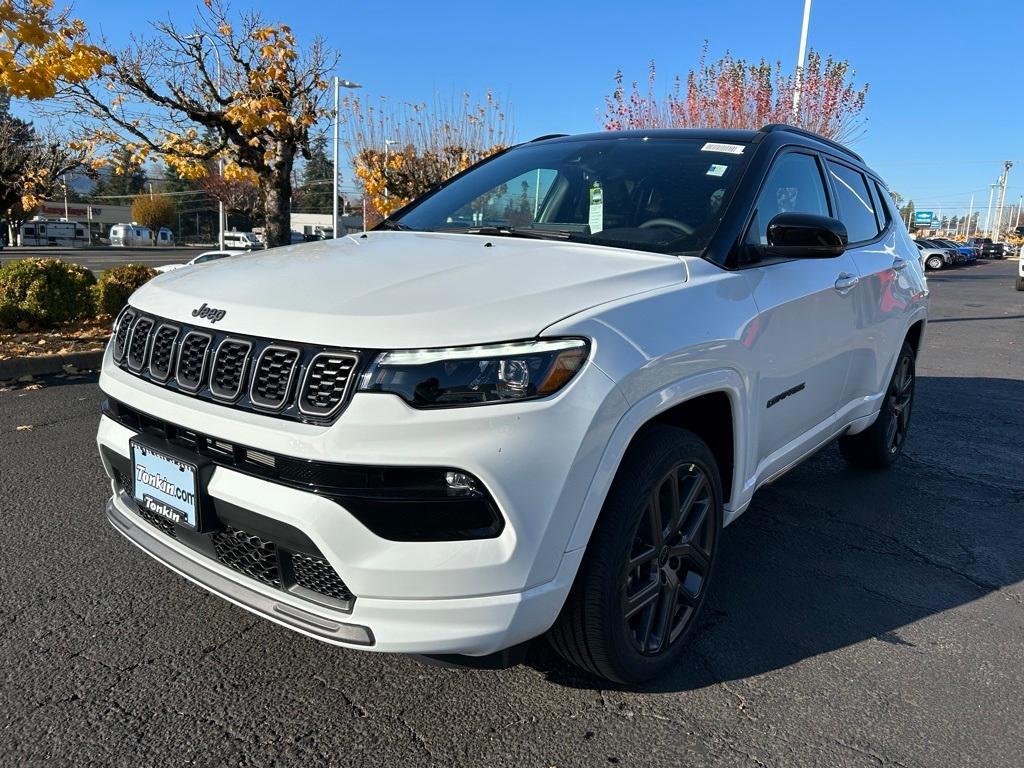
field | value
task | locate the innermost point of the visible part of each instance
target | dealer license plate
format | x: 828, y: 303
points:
x: 165, y: 485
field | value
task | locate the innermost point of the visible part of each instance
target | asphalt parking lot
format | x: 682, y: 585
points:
x: 859, y: 619
x: 98, y: 259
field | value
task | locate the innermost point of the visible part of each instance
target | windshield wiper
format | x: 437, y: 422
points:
x: 503, y: 232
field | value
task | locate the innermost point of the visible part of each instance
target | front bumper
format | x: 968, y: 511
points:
x: 474, y: 597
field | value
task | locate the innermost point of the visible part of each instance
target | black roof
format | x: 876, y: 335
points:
x: 787, y: 133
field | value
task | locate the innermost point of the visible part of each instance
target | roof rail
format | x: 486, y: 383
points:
x: 548, y: 136
x: 811, y: 135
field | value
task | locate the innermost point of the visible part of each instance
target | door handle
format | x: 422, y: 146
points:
x: 846, y: 281
x: 899, y: 263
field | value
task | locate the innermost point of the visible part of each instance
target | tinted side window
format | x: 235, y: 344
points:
x: 889, y: 213
x: 794, y: 184
x: 856, y: 209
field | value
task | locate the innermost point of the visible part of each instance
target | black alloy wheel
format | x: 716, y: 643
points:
x: 878, y: 446
x: 900, y: 400
x: 670, y: 559
x: 644, y: 580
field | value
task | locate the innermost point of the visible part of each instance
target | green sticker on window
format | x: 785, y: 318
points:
x: 596, y: 218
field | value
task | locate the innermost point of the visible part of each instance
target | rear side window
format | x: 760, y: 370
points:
x: 856, y: 209
x: 794, y: 184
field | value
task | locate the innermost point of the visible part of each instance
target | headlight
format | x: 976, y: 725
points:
x: 499, y: 373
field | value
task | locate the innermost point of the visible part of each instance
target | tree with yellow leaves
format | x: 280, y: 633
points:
x: 40, y: 49
x: 154, y: 211
x: 241, y: 81
x: 400, y: 151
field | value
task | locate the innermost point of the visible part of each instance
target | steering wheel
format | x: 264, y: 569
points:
x: 686, y: 229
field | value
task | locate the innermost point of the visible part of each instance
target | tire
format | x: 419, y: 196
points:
x: 935, y: 262
x: 1020, y: 283
x: 672, y: 562
x: 880, y: 445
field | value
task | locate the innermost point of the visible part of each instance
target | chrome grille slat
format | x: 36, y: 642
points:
x: 161, y: 358
x: 192, y: 360
x: 138, y: 344
x: 227, y: 373
x: 121, y: 334
x: 326, y: 383
x: 272, y: 376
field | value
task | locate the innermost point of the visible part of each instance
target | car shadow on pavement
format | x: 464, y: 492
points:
x: 831, y: 556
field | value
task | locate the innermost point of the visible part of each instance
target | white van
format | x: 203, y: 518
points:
x: 126, y: 235
x: 241, y: 240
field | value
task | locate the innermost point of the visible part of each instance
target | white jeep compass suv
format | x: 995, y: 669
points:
x: 526, y: 403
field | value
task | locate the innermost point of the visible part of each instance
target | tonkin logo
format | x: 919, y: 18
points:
x: 206, y: 312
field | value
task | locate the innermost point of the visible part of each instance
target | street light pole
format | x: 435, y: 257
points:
x: 970, y: 212
x: 800, y: 61
x: 988, y: 213
x: 338, y: 84
x: 1003, y: 178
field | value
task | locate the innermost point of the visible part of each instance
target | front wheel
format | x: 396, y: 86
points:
x: 878, y: 446
x: 1020, y: 283
x: 935, y: 262
x: 643, y: 582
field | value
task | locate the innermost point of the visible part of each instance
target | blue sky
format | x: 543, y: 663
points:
x: 942, y: 115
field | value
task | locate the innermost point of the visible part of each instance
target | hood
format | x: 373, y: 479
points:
x: 405, y: 289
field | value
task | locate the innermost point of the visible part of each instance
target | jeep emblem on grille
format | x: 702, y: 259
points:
x: 209, y: 313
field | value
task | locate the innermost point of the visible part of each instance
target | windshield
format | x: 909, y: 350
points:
x: 655, y: 194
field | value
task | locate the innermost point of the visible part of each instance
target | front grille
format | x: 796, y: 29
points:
x: 249, y: 555
x: 162, y: 355
x: 316, y: 574
x: 192, y: 360
x: 272, y: 379
x: 228, y: 370
x: 139, y: 344
x: 124, y: 483
x: 326, y: 383
x: 294, y: 381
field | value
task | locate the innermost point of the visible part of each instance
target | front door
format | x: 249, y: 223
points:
x: 806, y: 316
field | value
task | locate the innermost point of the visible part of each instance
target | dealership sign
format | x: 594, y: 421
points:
x: 923, y: 218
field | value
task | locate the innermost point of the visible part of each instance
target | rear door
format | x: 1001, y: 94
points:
x: 806, y: 320
x: 887, y: 283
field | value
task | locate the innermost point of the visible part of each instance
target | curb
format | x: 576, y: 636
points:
x: 48, y: 364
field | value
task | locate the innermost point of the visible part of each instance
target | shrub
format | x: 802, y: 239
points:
x: 117, y: 284
x: 41, y: 293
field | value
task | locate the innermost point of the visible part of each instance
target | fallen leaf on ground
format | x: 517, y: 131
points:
x: 24, y: 428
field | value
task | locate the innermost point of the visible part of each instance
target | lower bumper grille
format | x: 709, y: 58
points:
x: 255, y: 556
x: 249, y: 555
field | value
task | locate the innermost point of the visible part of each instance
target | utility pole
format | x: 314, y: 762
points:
x: 970, y: 212
x: 800, y: 61
x: 1019, y: 201
x: 1003, y: 178
x: 65, y: 178
x: 338, y: 84
x: 988, y: 213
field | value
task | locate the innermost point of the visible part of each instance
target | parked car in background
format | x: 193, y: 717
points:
x: 242, y: 240
x: 961, y: 248
x: 202, y: 258
x: 935, y: 258
x: 1020, y: 275
x: 955, y: 257
x: 990, y: 250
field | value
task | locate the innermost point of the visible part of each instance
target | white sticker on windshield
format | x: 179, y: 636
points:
x: 732, y: 149
x: 717, y: 170
x: 596, y: 219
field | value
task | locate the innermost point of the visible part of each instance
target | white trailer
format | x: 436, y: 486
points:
x: 53, y: 232
x: 130, y: 235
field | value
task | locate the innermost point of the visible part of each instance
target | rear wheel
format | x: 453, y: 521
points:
x: 935, y: 262
x: 1020, y: 283
x: 644, y: 580
x: 878, y: 446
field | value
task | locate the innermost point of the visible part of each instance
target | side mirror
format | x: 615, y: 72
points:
x: 805, y: 236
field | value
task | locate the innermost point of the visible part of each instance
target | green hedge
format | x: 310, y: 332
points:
x: 117, y: 284
x: 41, y: 293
